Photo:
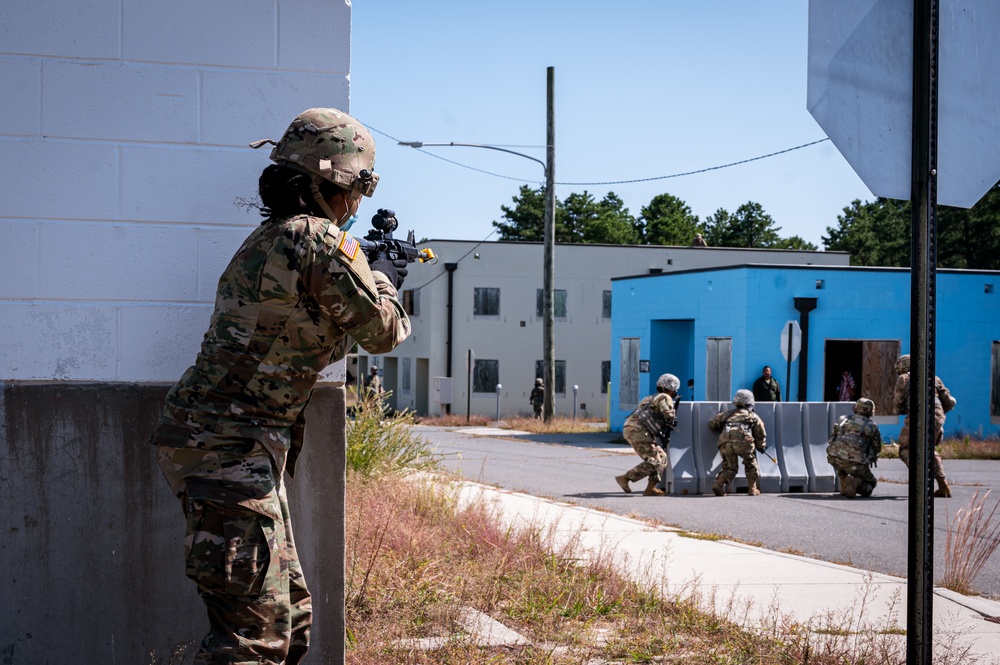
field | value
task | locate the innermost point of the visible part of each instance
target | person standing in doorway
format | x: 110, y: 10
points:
x: 374, y: 383
x: 845, y: 389
x: 766, y: 388
x: 537, y: 397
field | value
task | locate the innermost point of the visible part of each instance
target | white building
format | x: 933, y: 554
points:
x: 485, y: 298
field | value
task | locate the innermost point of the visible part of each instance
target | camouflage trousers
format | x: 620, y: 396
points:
x: 654, y: 458
x: 731, y: 453
x: 859, y: 470
x: 904, y: 446
x: 240, y: 551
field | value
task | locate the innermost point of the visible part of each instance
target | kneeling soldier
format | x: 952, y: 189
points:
x: 740, y: 431
x: 854, y: 447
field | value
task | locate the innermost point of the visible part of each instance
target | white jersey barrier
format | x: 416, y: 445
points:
x: 797, y: 434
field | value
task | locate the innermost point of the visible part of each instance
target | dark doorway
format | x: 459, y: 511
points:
x: 843, y: 355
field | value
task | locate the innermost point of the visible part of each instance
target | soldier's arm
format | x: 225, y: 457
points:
x: 947, y: 400
x: 759, y: 434
x: 899, y: 396
x: 715, y: 424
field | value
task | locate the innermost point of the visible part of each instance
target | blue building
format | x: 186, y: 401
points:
x: 717, y: 328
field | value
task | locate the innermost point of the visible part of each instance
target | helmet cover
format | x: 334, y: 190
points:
x: 864, y: 407
x: 668, y: 383
x: 903, y: 364
x: 743, y: 397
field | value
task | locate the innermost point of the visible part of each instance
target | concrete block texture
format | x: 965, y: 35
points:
x: 19, y: 273
x: 63, y: 28
x: 43, y: 340
x: 315, y: 35
x: 243, y: 106
x: 119, y: 262
x: 92, y: 559
x: 19, y: 111
x: 159, y: 342
x: 120, y: 101
x: 228, y: 33
x: 86, y: 175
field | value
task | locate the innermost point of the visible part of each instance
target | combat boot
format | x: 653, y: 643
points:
x: 652, y: 489
x: 719, y: 488
x: 849, y: 487
x: 753, y: 489
x: 943, y: 489
x: 623, y: 483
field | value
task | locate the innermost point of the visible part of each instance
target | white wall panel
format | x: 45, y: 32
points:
x: 120, y: 101
x: 19, y: 112
x: 159, y: 343
x: 118, y: 262
x: 236, y: 102
x: 19, y: 266
x: 165, y: 184
x: 52, y: 340
x: 63, y: 28
x: 315, y: 35
x: 232, y: 33
x: 58, y: 179
x: 215, y: 249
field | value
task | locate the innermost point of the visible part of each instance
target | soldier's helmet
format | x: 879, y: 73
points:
x: 668, y: 383
x: 743, y: 397
x: 538, y: 381
x: 903, y: 364
x: 331, y: 145
x: 864, y: 407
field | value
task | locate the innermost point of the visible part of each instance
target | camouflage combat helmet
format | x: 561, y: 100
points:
x: 668, y: 383
x: 864, y: 407
x: 903, y: 364
x: 538, y: 381
x: 328, y: 145
x: 743, y: 397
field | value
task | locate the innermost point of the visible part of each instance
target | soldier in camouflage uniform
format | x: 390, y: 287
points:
x: 943, y: 403
x: 232, y: 425
x: 740, y: 432
x: 854, y: 446
x: 654, y: 418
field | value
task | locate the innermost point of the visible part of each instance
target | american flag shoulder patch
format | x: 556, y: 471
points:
x: 349, y: 246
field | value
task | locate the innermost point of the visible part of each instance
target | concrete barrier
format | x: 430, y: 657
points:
x: 93, y: 538
x: 797, y: 434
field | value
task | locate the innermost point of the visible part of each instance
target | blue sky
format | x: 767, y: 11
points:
x: 643, y: 88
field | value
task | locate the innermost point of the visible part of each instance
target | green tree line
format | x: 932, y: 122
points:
x: 875, y: 233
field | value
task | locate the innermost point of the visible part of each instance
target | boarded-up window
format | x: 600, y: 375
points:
x: 878, y: 376
x: 995, y: 382
x: 628, y: 385
x: 411, y: 302
x: 606, y: 304
x: 718, y: 369
x: 485, y: 376
x: 486, y: 302
x: 558, y: 303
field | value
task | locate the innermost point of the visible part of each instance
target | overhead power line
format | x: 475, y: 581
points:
x: 609, y: 182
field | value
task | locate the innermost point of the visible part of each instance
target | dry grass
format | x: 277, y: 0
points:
x: 417, y: 561
x: 970, y: 448
x: 971, y: 540
x: 558, y: 425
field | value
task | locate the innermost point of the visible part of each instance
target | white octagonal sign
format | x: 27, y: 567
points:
x: 861, y: 87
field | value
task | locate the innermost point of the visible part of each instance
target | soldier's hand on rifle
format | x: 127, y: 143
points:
x: 396, y: 270
x: 762, y: 447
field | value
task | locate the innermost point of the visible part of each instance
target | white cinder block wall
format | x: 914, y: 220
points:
x: 124, y: 127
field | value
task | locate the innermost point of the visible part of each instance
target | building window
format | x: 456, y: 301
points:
x: 606, y: 305
x: 558, y: 303
x: 485, y: 376
x: 560, y: 375
x: 406, y: 376
x: 605, y: 374
x: 411, y: 302
x: 486, y: 301
x: 995, y: 382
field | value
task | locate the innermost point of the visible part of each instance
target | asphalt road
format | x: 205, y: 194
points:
x: 867, y: 533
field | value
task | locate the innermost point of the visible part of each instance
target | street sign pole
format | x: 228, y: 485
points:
x: 923, y: 272
x: 788, y: 365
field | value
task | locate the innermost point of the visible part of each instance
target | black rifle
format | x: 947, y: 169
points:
x: 379, y: 243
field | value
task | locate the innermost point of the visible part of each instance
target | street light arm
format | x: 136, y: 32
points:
x: 420, y: 144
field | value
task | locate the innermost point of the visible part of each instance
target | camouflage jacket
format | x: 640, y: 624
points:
x: 284, y: 308
x: 855, y: 439
x: 739, y: 425
x: 943, y: 400
x: 662, y: 407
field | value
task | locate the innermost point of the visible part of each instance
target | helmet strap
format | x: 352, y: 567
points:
x: 325, y: 207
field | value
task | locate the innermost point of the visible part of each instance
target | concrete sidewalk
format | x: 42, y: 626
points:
x: 756, y: 587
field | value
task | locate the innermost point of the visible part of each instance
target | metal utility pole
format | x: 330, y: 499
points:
x: 923, y: 275
x: 548, y: 311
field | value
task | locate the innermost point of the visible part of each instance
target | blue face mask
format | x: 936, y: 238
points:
x: 349, y: 223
